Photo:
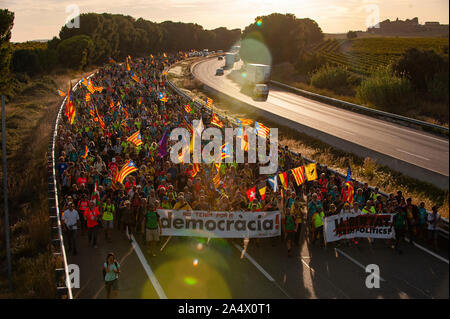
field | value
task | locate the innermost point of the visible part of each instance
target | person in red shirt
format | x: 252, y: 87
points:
x: 82, y: 179
x: 92, y: 215
x: 83, y: 204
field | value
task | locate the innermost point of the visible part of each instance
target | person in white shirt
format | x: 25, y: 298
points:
x: 70, y: 218
x: 433, y: 221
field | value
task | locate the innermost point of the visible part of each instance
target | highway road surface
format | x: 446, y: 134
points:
x: 191, y: 268
x: 418, y: 148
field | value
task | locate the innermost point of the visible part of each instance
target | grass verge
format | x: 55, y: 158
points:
x: 30, y: 113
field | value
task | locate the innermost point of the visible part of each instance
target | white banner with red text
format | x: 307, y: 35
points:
x: 347, y: 226
x: 220, y: 224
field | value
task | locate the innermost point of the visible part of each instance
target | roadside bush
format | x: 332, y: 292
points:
x: 385, y: 90
x: 331, y: 77
x: 438, y: 87
x: 420, y: 67
x: 26, y: 61
x: 308, y: 63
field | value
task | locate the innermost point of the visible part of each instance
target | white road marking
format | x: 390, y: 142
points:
x: 261, y: 269
x: 354, y: 261
x: 400, y: 150
x: 312, y: 269
x: 148, y: 270
x: 163, y: 246
x: 428, y: 251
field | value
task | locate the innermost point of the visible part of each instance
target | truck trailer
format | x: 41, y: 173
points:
x: 256, y: 80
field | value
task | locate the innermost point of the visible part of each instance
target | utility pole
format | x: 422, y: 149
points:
x: 5, y: 194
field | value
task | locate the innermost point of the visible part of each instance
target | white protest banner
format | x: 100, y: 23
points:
x: 346, y: 226
x: 220, y: 224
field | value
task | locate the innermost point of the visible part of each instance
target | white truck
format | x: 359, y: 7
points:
x: 229, y: 60
x: 256, y: 79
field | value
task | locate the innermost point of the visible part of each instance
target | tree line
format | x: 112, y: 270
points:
x: 104, y: 36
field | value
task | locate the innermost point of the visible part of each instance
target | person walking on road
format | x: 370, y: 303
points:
x: 111, y: 271
x: 291, y: 229
x: 108, y: 218
x: 433, y: 222
x: 70, y: 218
x: 153, y: 228
x: 92, y: 216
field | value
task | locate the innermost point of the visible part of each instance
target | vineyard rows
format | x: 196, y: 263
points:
x: 360, y: 56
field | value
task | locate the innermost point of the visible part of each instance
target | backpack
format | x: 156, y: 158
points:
x: 104, y: 271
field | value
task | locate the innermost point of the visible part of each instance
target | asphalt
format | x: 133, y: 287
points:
x: 406, y: 144
x: 193, y: 268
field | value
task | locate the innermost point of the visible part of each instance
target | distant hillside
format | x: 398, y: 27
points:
x: 360, y: 55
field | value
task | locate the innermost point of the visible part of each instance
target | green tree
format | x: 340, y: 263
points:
x: 75, y: 51
x: 284, y: 35
x: 420, y: 67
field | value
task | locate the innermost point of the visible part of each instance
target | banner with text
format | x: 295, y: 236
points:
x: 220, y: 224
x: 346, y: 226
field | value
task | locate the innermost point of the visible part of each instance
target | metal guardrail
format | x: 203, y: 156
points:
x: 337, y: 102
x: 63, y: 282
x: 444, y: 233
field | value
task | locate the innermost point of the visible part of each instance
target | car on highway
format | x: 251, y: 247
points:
x: 219, y: 71
x: 220, y: 57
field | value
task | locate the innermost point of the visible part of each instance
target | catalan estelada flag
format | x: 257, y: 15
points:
x: 86, y: 151
x: 87, y: 98
x: 70, y: 107
x: 216, y: 121
x: 244, y: 122
x: 283, y: 179
x: 209, y: 102
x: 349, y: 193
x: 311, y: 172
x: 61, y: 93
x: 262, y: 130
x: 225, y: 151
x: 98, y: 88
x: 134, y: 77
x: 299, y: 175
x: 187, y: 108
x: 136, y: 138
x: 127, y: 169
x: 195, y: 169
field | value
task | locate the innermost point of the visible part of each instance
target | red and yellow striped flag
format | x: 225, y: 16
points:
x: 299, y: 175
x: 209, y: 102
x: 187, y: 108
x: 216, y: 121
x: 216, y: 180
x: 283, y: 179
x: 136, y: 138
x: 87, y: 98
x: 127, y: 169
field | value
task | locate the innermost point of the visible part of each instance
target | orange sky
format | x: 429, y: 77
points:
x: 42, y: 19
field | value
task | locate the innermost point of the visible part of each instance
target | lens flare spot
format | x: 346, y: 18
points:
x: 195, y: 263
x: 200, y: 246
x: 259, y: 23
x: 244, y: 74
x: 191, y: 281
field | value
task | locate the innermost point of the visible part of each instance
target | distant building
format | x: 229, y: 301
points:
x: 400, y: 27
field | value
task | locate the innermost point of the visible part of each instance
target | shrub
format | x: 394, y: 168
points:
x: 385, y: 90
x: 330, y: 77
x: 438, y: 87
x: 26, y: 61
x: 308, y: 63
x: 420, y: 66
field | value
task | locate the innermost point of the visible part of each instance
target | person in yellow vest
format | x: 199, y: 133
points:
x: 181, y: 204
x: 369, y: 208
x: 317, y: 224
x: 108, y: 218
